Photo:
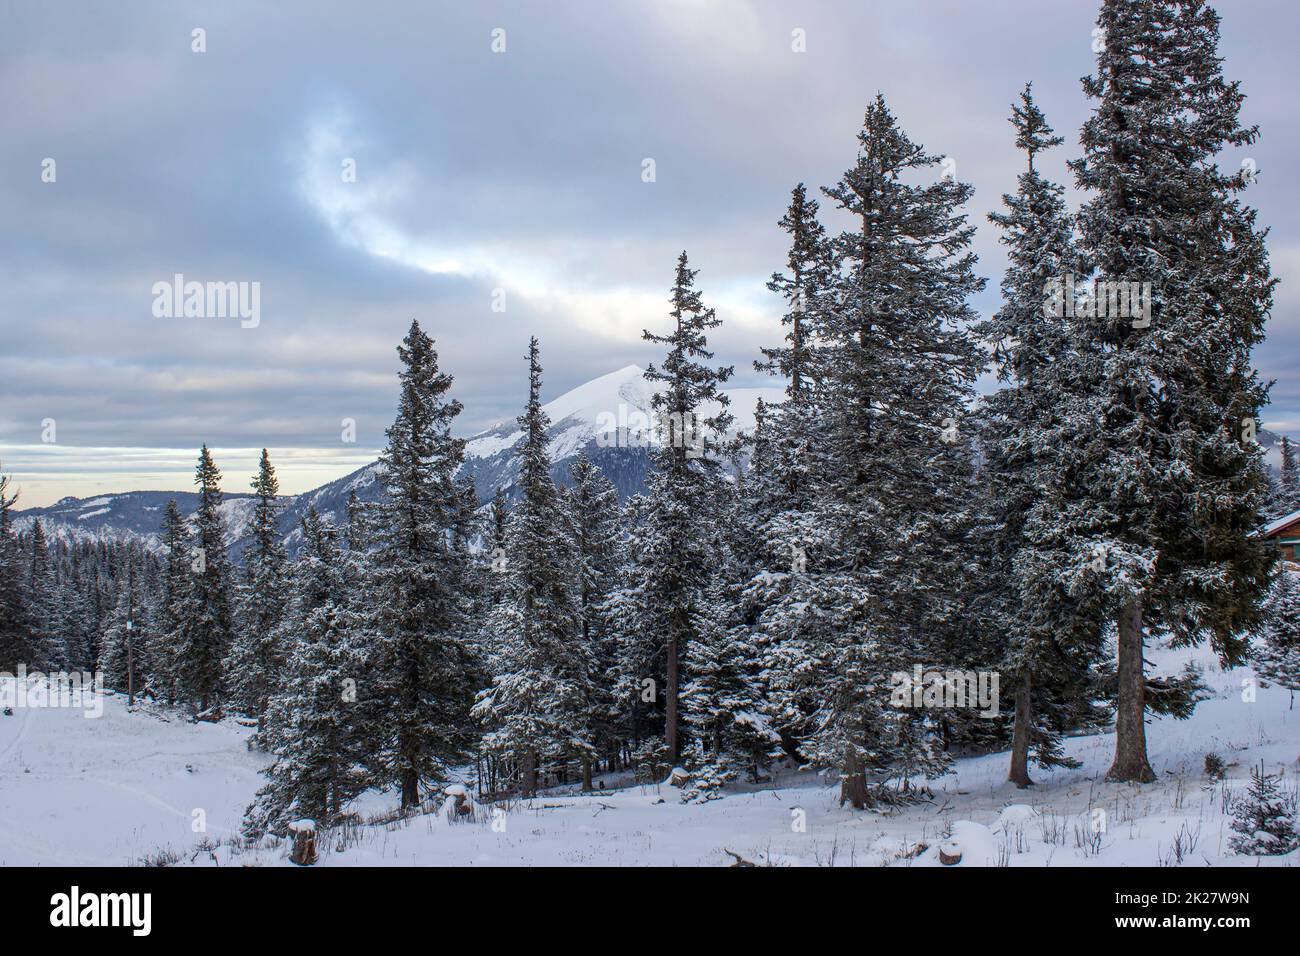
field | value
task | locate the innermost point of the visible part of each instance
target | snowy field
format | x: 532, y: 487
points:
x: 124, y: 789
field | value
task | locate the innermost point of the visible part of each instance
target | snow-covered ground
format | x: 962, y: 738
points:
x: 118, y: 789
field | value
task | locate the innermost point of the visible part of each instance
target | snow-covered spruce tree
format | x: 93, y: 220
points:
x: 15, y: 635
x: 255, y: 656
x: 1165, y: 481
x: 779, y: 486
x: 1286, y: 493
x: 168, y: 612
x: 724, y: 699
x: 44, y: 604
x: 682, y: 487
x: 593, y: 513
x: 498, y: 521
x: 808, y: 262
x: 205, y: 614
x: 538, y: 705
x: 1263, y: 820
x: 1049, y: 642
x: 80, y: 605
x: 635, y: 676
x: 1276, y: 648
x: 468, y: 526
x: 317, y: 743
x: 881, y: 590
x: 123, y: 655
x: 419, y: 692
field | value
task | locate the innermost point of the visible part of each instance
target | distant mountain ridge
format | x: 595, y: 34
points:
x: 608, y: 418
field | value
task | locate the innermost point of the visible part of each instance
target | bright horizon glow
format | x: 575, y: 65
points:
x: 46, y: 474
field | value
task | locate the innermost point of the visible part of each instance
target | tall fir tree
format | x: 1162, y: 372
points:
x: 205, y: 614
x: 1050, y: 642
x: 45, y: 608
x: 1165, y: 482
x: 123, y: 653
x: 880, y: 592
x: 318, y: 743
x: 257, y: 657
x: 682, y: 488
x: 423, y: 691
x: 808, y: 263
x: 171, y: 606
x: 538, y: 703
x: 593, y: 512
x: 15, y: 635
x: 779, y: 486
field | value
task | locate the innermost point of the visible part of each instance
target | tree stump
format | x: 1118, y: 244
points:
x: 304, y: 842
x: 949, y: 853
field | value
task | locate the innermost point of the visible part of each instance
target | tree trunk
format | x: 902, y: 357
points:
x: 410, y: 789
x: 529, y: 781
x: 586, y: 775
x: 1019, y: 774
x: 1130, y: 723
x: 853, y: 784
x: 670, y: 716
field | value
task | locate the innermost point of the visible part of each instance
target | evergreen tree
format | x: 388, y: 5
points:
x: 15, y: 636
x: 1165, y: 483
x: 79, y: 609
x: 881, y: 591
x: 1287, y: 493
x: 1263, y: 818
x: 592, y: 505
x: 256, y: 658
x: 1276, y: 651
x: 122, y: 657
x: 682, y: 487
x: 205, y: 613
x: 724, y: 701
x: 801, y: 288
x: 468, y: 525
x: 539, y: 699
x: 498, y: 523
x: 635, y: 676
x: 1050, y: 643
x: 172, y: 600
x: 317, y: 742
x: 778, y: 500
x: 423, y: 689
x: 45, y: 609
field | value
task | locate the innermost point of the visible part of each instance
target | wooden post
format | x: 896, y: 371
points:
x: 130, y: 646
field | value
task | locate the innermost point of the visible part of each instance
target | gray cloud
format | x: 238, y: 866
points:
x: 475, y: 172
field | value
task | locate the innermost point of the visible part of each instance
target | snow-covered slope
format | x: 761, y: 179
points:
x: 122, y: 787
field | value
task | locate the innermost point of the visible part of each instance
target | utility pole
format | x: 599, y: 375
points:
x: 130, y: 644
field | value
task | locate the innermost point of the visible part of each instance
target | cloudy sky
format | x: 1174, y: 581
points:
x: 476, y: 171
